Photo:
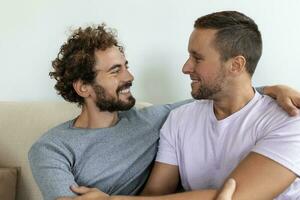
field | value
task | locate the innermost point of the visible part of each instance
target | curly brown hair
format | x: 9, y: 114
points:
x: 76, y: 59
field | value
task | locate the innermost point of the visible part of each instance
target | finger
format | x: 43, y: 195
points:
x: 296, y: 102
x: 64, y: 198
x: 228, y: 190
x: 289, y: 106
x: 295, y: 112
x: 80, y: 189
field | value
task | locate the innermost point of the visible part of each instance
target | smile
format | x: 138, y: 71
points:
x: 125, y: 91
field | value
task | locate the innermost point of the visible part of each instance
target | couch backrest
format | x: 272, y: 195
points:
x: 21, y: 124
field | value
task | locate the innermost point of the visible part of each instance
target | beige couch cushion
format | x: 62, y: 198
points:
x: 21, y: 124
x: 8, y: 183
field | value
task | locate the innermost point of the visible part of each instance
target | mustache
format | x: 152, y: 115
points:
x: 124, y: 86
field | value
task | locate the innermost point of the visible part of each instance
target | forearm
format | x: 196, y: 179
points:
x: 193, y: 195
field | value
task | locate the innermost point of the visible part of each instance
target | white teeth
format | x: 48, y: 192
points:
x: 125, y: 91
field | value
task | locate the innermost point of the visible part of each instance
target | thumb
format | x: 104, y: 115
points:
x: 296, y: 103
x: 80, y: 189
x: 228, y: 190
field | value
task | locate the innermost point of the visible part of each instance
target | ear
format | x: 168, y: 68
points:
x: 238, y: 64
x: 82, y: 89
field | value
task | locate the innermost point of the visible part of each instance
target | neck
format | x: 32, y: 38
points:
x: 232, y: 99
x: 90, y: 117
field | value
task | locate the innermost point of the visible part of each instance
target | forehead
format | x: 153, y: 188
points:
x: 109, y: 57
x: 201, y: 39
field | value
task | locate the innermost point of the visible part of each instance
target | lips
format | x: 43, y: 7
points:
x: 195, y: 79
x: 124, y: 89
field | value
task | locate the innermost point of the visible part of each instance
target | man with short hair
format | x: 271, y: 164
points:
x: 110, y: 145
x: 231, y: 131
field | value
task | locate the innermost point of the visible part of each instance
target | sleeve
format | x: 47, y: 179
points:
x: 51, y: 170
x: 172, y: 106
x: 158, y: 114
x: 260, y: 89
x: 282, y: 144
x: 167, y: 152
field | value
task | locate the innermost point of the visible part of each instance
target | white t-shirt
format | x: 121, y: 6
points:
x: 207, y: 150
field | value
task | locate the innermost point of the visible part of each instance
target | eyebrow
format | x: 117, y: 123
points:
x: 194, y: 53
x: 116, y: 66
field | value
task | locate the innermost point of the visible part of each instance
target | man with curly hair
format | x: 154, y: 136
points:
x: 110, y: 145
x: 103, y: 147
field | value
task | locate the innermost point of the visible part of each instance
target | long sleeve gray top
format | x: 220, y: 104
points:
x: 117, y: 160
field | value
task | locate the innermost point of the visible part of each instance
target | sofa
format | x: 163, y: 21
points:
x: 21, y: 124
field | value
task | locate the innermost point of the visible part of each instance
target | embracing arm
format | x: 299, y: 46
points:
x: 94, y: 194
x: 163, y: 180
x: 257, y: 177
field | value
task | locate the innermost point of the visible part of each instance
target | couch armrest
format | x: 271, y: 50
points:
x: 8, y: 183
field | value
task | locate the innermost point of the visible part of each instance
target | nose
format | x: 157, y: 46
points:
x: 187, y: 67
x: 128, y: 75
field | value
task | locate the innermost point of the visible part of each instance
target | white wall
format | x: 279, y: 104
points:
x: 154, y: 32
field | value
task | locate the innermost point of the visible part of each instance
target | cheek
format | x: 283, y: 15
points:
x: 207, y: 75
x: 110, y: 85
x: 113, y: 86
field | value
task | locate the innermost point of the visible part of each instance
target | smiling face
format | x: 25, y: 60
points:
x: 204, y: 65
x: 113, y: 81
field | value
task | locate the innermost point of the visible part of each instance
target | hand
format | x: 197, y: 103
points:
x: 87, y: 194
x: 286, y: 97
x: 227, y: 191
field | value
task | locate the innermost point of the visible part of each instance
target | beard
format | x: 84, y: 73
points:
x: 208, y: 91
x: 106, y: 102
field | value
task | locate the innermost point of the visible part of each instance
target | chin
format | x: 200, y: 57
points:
x: 129, y: 102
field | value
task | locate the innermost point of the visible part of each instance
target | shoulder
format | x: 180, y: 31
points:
x: 51, y: 141
x: 60, y: 131
x: 270, y: 108
x: 192, y: 108
x: 150, y: 113
x: 273, y: 117
x: 186, y: 115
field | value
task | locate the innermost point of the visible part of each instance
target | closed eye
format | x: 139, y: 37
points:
x: 197, y: 59
x: 115, y: 70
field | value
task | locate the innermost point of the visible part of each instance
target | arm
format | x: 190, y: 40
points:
x: 259, y: 177
x: 164, y: 179
x: 94, y: 194
x: 51, y: 170
x: 286, y: 97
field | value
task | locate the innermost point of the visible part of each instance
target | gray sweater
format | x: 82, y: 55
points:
x: 117, y: 160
